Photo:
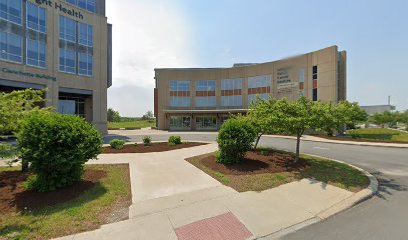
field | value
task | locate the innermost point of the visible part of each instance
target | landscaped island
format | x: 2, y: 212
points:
x: 266, y: 168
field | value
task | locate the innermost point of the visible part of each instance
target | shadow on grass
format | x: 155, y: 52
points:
x: 15, y: 231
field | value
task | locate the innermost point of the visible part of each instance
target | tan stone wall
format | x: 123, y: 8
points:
x: 97, y: 83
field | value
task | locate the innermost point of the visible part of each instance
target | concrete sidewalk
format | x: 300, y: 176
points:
x: 174, y: 200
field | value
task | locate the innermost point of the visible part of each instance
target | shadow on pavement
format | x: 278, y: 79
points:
x: 387, y: 185
x: 110, y: 137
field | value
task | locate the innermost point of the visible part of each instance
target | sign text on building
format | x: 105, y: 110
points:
x: 26, y: 74
x: 61, y: 8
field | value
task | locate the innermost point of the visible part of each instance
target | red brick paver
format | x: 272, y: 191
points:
x: 222, y: 227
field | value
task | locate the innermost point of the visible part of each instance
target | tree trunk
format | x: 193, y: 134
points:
x: 297, y: 146
x: 24, y: 165
x: 257, y: 140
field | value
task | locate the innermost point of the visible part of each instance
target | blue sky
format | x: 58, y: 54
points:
x: 218, y: 33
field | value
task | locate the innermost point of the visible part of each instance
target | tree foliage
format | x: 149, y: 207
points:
x: 148, y: 115
x: 16, y: 106
x: 389, y: 119
x: 113, y: 116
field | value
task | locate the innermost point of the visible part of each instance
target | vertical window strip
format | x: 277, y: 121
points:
x: 11, y: 47
x: 11, y: 10
x: 36, y: 18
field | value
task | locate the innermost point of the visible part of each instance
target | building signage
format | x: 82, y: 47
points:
x: 285, y: 85
x: 70, y: 11
x: 26, y: 74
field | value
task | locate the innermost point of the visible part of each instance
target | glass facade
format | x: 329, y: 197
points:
x: 85, y: 63
x: 84, y: 4
x: 180, y: 122
x: 36, y: 18
x: 205, y: 85
x: 206, y: 122
x: 68, y: 29
x: 260, y: 81
x: 206, y: 101
x: 11, y: 46
x: 228, y: 97
x: 36, y: 51
x: 11, y: 10
x: 67, y: 60
x: 180, y: 93
x: 85, y: 34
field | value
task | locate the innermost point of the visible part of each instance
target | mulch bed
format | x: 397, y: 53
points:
x: 256, y: 162
x: 154, y: 147
x: 359, y: 140
x: 13, y: 196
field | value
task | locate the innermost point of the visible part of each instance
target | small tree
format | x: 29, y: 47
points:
x: 113, y: 116
x: 57, y: 146
x: 235, y: 138
x: 261, y: 115
x: 386, y: 118
x: 148, y: 115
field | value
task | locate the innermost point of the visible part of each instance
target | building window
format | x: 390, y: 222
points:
x: 206, y: 101
x: 85, y: 62
x: 36, y: 51
x: 180, y: 122
x: 206, y: 122
x: 264, y: 96
x: 180, y: 101
x: 205, y: 85
x: 315, y: 94
x: 260, y: 81
x: 67, y: 60
x: 231, y: 101
x: 231, y: 92
x: 70, y: 105
x: 68, y: 29
x: 84, y: 4
x: 10, y: 10
x: 179, y: 86
x: 85, y: 34
x: 314, y: 72
x: 36, y: 18
x: 11, y: 47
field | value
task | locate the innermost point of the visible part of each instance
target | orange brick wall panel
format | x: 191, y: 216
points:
x: 179, y: 94
x: 205, y: 93
x: 260, y: 90
x: 301, y: 86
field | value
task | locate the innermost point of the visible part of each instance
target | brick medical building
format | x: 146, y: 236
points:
x: 203, y: 98
x: 62, y: 45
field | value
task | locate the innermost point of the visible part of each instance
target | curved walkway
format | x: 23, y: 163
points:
x: 174, y: 200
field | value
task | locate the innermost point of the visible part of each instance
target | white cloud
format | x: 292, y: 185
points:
x: 146, y: 35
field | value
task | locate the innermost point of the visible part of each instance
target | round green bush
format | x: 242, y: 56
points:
x: 235, y: 138
x: 117, y: 143
x: 147, y: 140
x: 174, y: 140
x: 57, y: 146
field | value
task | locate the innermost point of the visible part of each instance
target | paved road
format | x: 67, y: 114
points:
x: 385, y: 216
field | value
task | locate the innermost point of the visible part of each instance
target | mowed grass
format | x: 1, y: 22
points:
x: 381, y: 134
x: 84, y: 213
x: 131, y: 125
x: 320, y: 169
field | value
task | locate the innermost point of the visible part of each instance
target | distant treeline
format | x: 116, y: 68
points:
x: 134, y: 119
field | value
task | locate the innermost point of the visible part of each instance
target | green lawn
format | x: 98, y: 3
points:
x: 381, y: 134
x: 324, y: 170
x: 131, y: 125
x: 87, y: 212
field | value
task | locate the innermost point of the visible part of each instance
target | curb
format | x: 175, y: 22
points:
x: 353, y: 200
x: 369, y: 144
x: 130, y: 143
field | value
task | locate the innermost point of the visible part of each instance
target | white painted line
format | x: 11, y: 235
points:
x: 322, y: 148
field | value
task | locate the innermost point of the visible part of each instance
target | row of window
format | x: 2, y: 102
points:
x: 226, y: 84
x: 89, y: 5
x: 226, y: 101
x: 202, y: 122
x: 68, y: 31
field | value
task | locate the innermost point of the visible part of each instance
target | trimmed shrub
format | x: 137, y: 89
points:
x: 235, y: 138
x: 147, y: 140
x: 117, y: 143
x: 57, y: 146
x: 174, y: 140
